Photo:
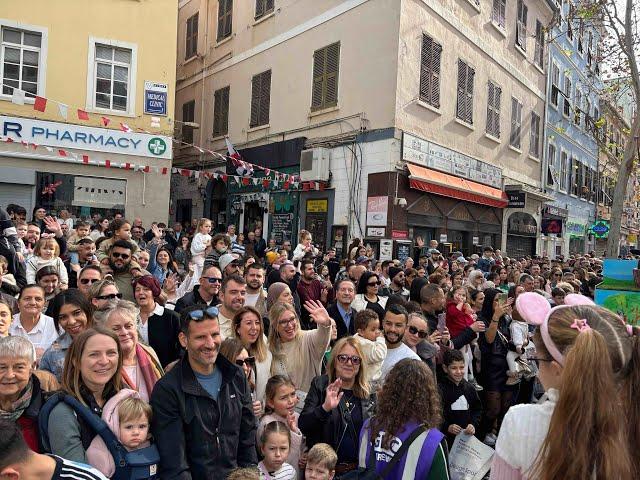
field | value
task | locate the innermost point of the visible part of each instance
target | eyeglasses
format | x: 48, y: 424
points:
x: 421, y: 333
x: 199, y: 314
x: 123, y: 256
x: 213, y: 279
x: 355, y: 360
x: 249, y: 362
x: 110, y: 296
x: 374, y: 284
x: 85, y: 281
x: 284, y: 323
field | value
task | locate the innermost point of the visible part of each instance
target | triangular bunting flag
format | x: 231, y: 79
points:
x: 107, y: 163
x: 63, y: 109
x: 62, y: 153
x: 105, y: 121
x: 82, y: 115
x: 85, y: 159
x: 125, y: 128
x: 127, y: 166
x: 265, y: 183
x: 40, y: 104
x: 18, y: 96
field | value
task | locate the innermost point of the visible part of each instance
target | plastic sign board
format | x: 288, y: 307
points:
x: 155, y: 98
x: 600, y: 229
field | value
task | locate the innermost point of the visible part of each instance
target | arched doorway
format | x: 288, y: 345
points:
x: 216, y: 204
x: 522, y: 231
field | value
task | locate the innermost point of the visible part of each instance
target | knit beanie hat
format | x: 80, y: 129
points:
x: 150, y: 282
x: 274, y: 292
x: 393, y: 271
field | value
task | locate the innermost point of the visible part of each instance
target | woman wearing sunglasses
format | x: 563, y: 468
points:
x: 249, y: 330
x: 72, y: 314
x: 102, y: 293
x: 417, y: 339
x: 367, y: 294
x: 233, y: 350
x: 338, y: 403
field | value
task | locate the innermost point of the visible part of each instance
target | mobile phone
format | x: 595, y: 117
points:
x: 442, y: 322
x: 502, y: 298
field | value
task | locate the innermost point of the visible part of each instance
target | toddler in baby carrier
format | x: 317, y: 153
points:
x: 106, y: 452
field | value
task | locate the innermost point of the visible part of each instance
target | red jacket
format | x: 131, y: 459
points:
x: 457, y: 320
x: 29, y: 427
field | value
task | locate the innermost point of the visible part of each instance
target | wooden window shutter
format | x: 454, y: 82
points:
x: 318, y: 79
x: 332, y: 70
x: 221, y: 112
x: 430, y: 58
x: 255, y: 101
x: 260, y: 8
x: 469, y: 94
x: 497, y: 98
x: 461, y: 104
x: 225, y: 15
x: 490, y: 96
x: 265, y: 97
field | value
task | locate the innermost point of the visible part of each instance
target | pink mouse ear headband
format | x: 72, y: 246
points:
x: 535, y: 310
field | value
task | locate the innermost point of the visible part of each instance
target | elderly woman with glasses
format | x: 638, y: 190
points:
x: 298, y: 353
x: 141, y: 368
x: 72, y: 314
x: 22, y: 387
x: 338, y: 403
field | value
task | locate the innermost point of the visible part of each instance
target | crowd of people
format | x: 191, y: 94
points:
x: 227, y: 355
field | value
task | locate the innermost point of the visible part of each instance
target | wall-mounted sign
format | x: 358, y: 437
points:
x: 67, y: 135
x: 476, y: 241
x: 399, y: 234
x: 431, y: 155
x: 386, y: 250
x: 600, y: 229
x: 443, y: 238
x: 554, y: 211
x: 377, y: 208
x: 317, y: 206
x: 521, y: 223
x: 576, y: 229
x: 155, y: 98
x: 517, y: 199
x: 375, y: 232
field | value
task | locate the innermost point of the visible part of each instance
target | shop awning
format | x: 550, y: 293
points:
x: 431, y: 181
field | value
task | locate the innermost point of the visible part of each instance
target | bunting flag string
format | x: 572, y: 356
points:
x: 279, y: 182
x: 242, y: 166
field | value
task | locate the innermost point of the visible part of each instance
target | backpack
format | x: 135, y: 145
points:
x: 135, y: 465
x: 370, y: 473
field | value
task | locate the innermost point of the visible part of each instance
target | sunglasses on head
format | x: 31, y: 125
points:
x: 249, y: 362
x: 110, y: 296
x: 86, y: 281
x: 123, y: 256
x: 421, y: 333
x: 209, y: 312
x: 213, y: 279
x: 355, y: 360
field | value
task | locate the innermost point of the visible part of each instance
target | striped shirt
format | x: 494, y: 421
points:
x: 68, y: 470
x: 285, y: 472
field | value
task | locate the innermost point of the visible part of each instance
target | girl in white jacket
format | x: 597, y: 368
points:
x: 47, y: 253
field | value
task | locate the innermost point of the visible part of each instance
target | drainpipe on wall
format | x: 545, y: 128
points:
x: 545, y: 130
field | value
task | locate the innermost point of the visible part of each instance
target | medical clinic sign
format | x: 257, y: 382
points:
x: 65, y: 135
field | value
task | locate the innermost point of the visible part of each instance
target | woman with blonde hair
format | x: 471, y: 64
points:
x: 338, y: 403
x: 298, y: 353
x: 589, y: 425
x: 249, y: 330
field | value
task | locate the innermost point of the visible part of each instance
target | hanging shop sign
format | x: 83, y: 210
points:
x: 576, y: 229
x: 399, y: 234
x: 553, y: 211
x: 431, y: 155
x: 375, y: 232
x: 317, y: 206
x: 377, y: 208
x: 517, y: 199
x: 67, y: 135
x: 600, y: 229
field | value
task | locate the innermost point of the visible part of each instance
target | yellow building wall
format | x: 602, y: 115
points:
x: 150, y: 24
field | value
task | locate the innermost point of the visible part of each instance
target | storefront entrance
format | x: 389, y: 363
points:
x: 522, y: 230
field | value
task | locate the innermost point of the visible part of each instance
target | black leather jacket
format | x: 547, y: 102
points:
x: 197, y: 436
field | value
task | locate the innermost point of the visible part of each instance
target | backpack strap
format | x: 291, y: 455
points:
x: 402, y: 450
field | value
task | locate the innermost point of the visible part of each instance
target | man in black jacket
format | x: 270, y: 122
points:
x: 205, y: 293
x: 341, y: 311
x: 203, y: 421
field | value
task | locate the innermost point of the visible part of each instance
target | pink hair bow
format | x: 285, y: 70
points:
x: 581, y: 325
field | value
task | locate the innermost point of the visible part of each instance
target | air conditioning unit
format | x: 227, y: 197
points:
x: 314, y: 165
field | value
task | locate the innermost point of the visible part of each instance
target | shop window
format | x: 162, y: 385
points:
x: 21, y: 60
x: 82, y: 196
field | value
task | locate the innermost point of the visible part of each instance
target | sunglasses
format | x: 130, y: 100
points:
x: 86, y: 281
x: 123, y: 256
x: 213, y: 279
x: 199, y: 314
x: 355, y: 360
x: 249, y: 362
x: 374, y: 284
x: 111, y: 296
x: 421, y: 333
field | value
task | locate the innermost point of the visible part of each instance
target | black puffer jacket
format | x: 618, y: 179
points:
x: 198, y: 437
x: 320, y: 426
